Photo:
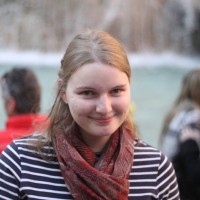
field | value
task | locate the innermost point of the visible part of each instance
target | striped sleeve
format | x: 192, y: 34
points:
x: 152, y: 175
x: 10, y: 172
x: 24, y: 174
x: 166, y: 180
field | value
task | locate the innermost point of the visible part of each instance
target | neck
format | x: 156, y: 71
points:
x: 97, y: 144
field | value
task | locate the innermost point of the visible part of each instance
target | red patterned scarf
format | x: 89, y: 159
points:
x: 89, y: 178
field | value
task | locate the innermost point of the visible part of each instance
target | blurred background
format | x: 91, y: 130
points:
x: 161, y: 37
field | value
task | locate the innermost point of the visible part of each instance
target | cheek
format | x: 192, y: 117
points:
x: 122, y: 104
x: 79, y: 107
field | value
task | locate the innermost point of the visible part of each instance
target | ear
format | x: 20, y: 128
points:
x: 63, y: 95
x: 11, y: 106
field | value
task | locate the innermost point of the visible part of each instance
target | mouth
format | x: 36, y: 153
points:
x: 104, y: 120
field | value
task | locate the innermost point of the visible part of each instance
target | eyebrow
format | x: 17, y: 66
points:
x: 91, y: 88
x: 84, y: 87
x: 124, y: 85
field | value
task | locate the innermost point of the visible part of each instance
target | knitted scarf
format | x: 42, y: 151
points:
x: 89, y: 178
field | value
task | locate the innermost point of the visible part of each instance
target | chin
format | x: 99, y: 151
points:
x: 106, y: 133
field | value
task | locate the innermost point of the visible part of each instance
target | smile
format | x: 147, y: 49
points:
x: 103, y: 120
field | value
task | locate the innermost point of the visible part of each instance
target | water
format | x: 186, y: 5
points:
x: 153, y: 92
x: 155, y: 84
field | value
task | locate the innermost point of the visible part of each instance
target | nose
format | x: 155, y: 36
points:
x: 103, y: 104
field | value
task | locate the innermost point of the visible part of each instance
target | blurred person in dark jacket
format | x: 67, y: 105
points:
x: 184, y: 112
x: 181, y: 136
x: 187, y: 163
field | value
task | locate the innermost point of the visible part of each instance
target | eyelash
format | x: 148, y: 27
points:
x: 87, y: 93
x: 115, y: 91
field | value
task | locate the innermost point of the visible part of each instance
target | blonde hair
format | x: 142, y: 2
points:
x: 188, y: 98
x: 87, y: 47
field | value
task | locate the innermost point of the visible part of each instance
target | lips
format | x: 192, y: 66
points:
x: 103, y: 120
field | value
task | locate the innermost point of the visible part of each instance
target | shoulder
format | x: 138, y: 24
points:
x: 17, y: 145
x: 152, y: 169
x: 152, y: 159
x: 12, y: 156
x: 26, y: 142
x: 148, y: 154
x: 142, y: 148
x: 24, y: 150
x: 149, y: 157
x: 25, y: 146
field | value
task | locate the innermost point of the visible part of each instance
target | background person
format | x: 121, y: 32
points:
x: 90, y: 149
x: 187, y: 163
x: 184, y: 112
x: 21, y: 94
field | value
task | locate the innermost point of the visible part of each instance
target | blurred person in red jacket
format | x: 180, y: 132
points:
x: 21, y: 94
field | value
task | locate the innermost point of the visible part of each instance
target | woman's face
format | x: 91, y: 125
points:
x: 98, y: 97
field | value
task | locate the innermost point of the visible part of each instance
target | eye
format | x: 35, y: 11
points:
x: 87, y: 93
x: 117, y: 91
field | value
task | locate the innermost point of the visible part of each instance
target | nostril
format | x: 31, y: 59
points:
x: 103, y: 104
x: 103, y: 108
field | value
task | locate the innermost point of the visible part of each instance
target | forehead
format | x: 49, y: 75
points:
x: 98, y: 73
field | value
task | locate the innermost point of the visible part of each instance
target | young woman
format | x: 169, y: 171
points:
x: 90, y: 149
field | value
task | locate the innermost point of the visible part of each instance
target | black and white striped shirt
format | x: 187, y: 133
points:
x: 25, y: 175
